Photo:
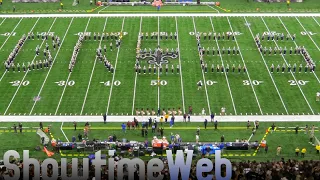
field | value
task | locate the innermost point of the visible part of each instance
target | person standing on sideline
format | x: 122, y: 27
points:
x: 75, y: 125
x: 203, y: 112
x: 318, y: 96
x: 266, y: 149
x: 212, y: 116
x: 279, y: 150
x: 297, y: 150
x: 303, y: 152
x: 20, y: 127
x: 190, y: 109
x: 222, y: 138
x: 41, y: 125
x: 15, y: 128
x: 297, y: 129
x: 61, y: 5
x: 216, y: 125
x: 223, y: 111
x: 197, y: 138
x: 272, y: 128
x: 205, y: 123
x: 185, y: 118
x: 189, y: 117
x: 104, y: 118
x: 123, y: 126
x: 14, y: 9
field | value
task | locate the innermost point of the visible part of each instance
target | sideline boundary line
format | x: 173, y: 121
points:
x: 260, y: 118
x: 165, y: 15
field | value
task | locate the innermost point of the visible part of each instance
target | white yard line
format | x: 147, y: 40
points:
x: 2, y: 21
x: 204, y: 79
x: 63, y: 132
x: 225, y: 73
x: 64, y: 89
x: 297, y: 45
x: 159, y: 65
x: 180, y: 71
x: 214, y: 8
x: 254, y: 92
x: 315, y: 20
x: 27, y: 71
x: 94, y: 65
x: 35, y: 102
x: 115, y: 68
x: 290, y: 72
x: 6, y: 42
x: 268, y: 70
x: 136, y: 75
x: 103, y: 9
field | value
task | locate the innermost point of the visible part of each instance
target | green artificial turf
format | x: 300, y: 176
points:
x: 92, y: 90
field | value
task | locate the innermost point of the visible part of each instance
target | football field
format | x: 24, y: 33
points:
x: 91, y: 89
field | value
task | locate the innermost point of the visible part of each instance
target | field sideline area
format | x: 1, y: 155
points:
x: 64, y: 132
x: 90, y: 89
